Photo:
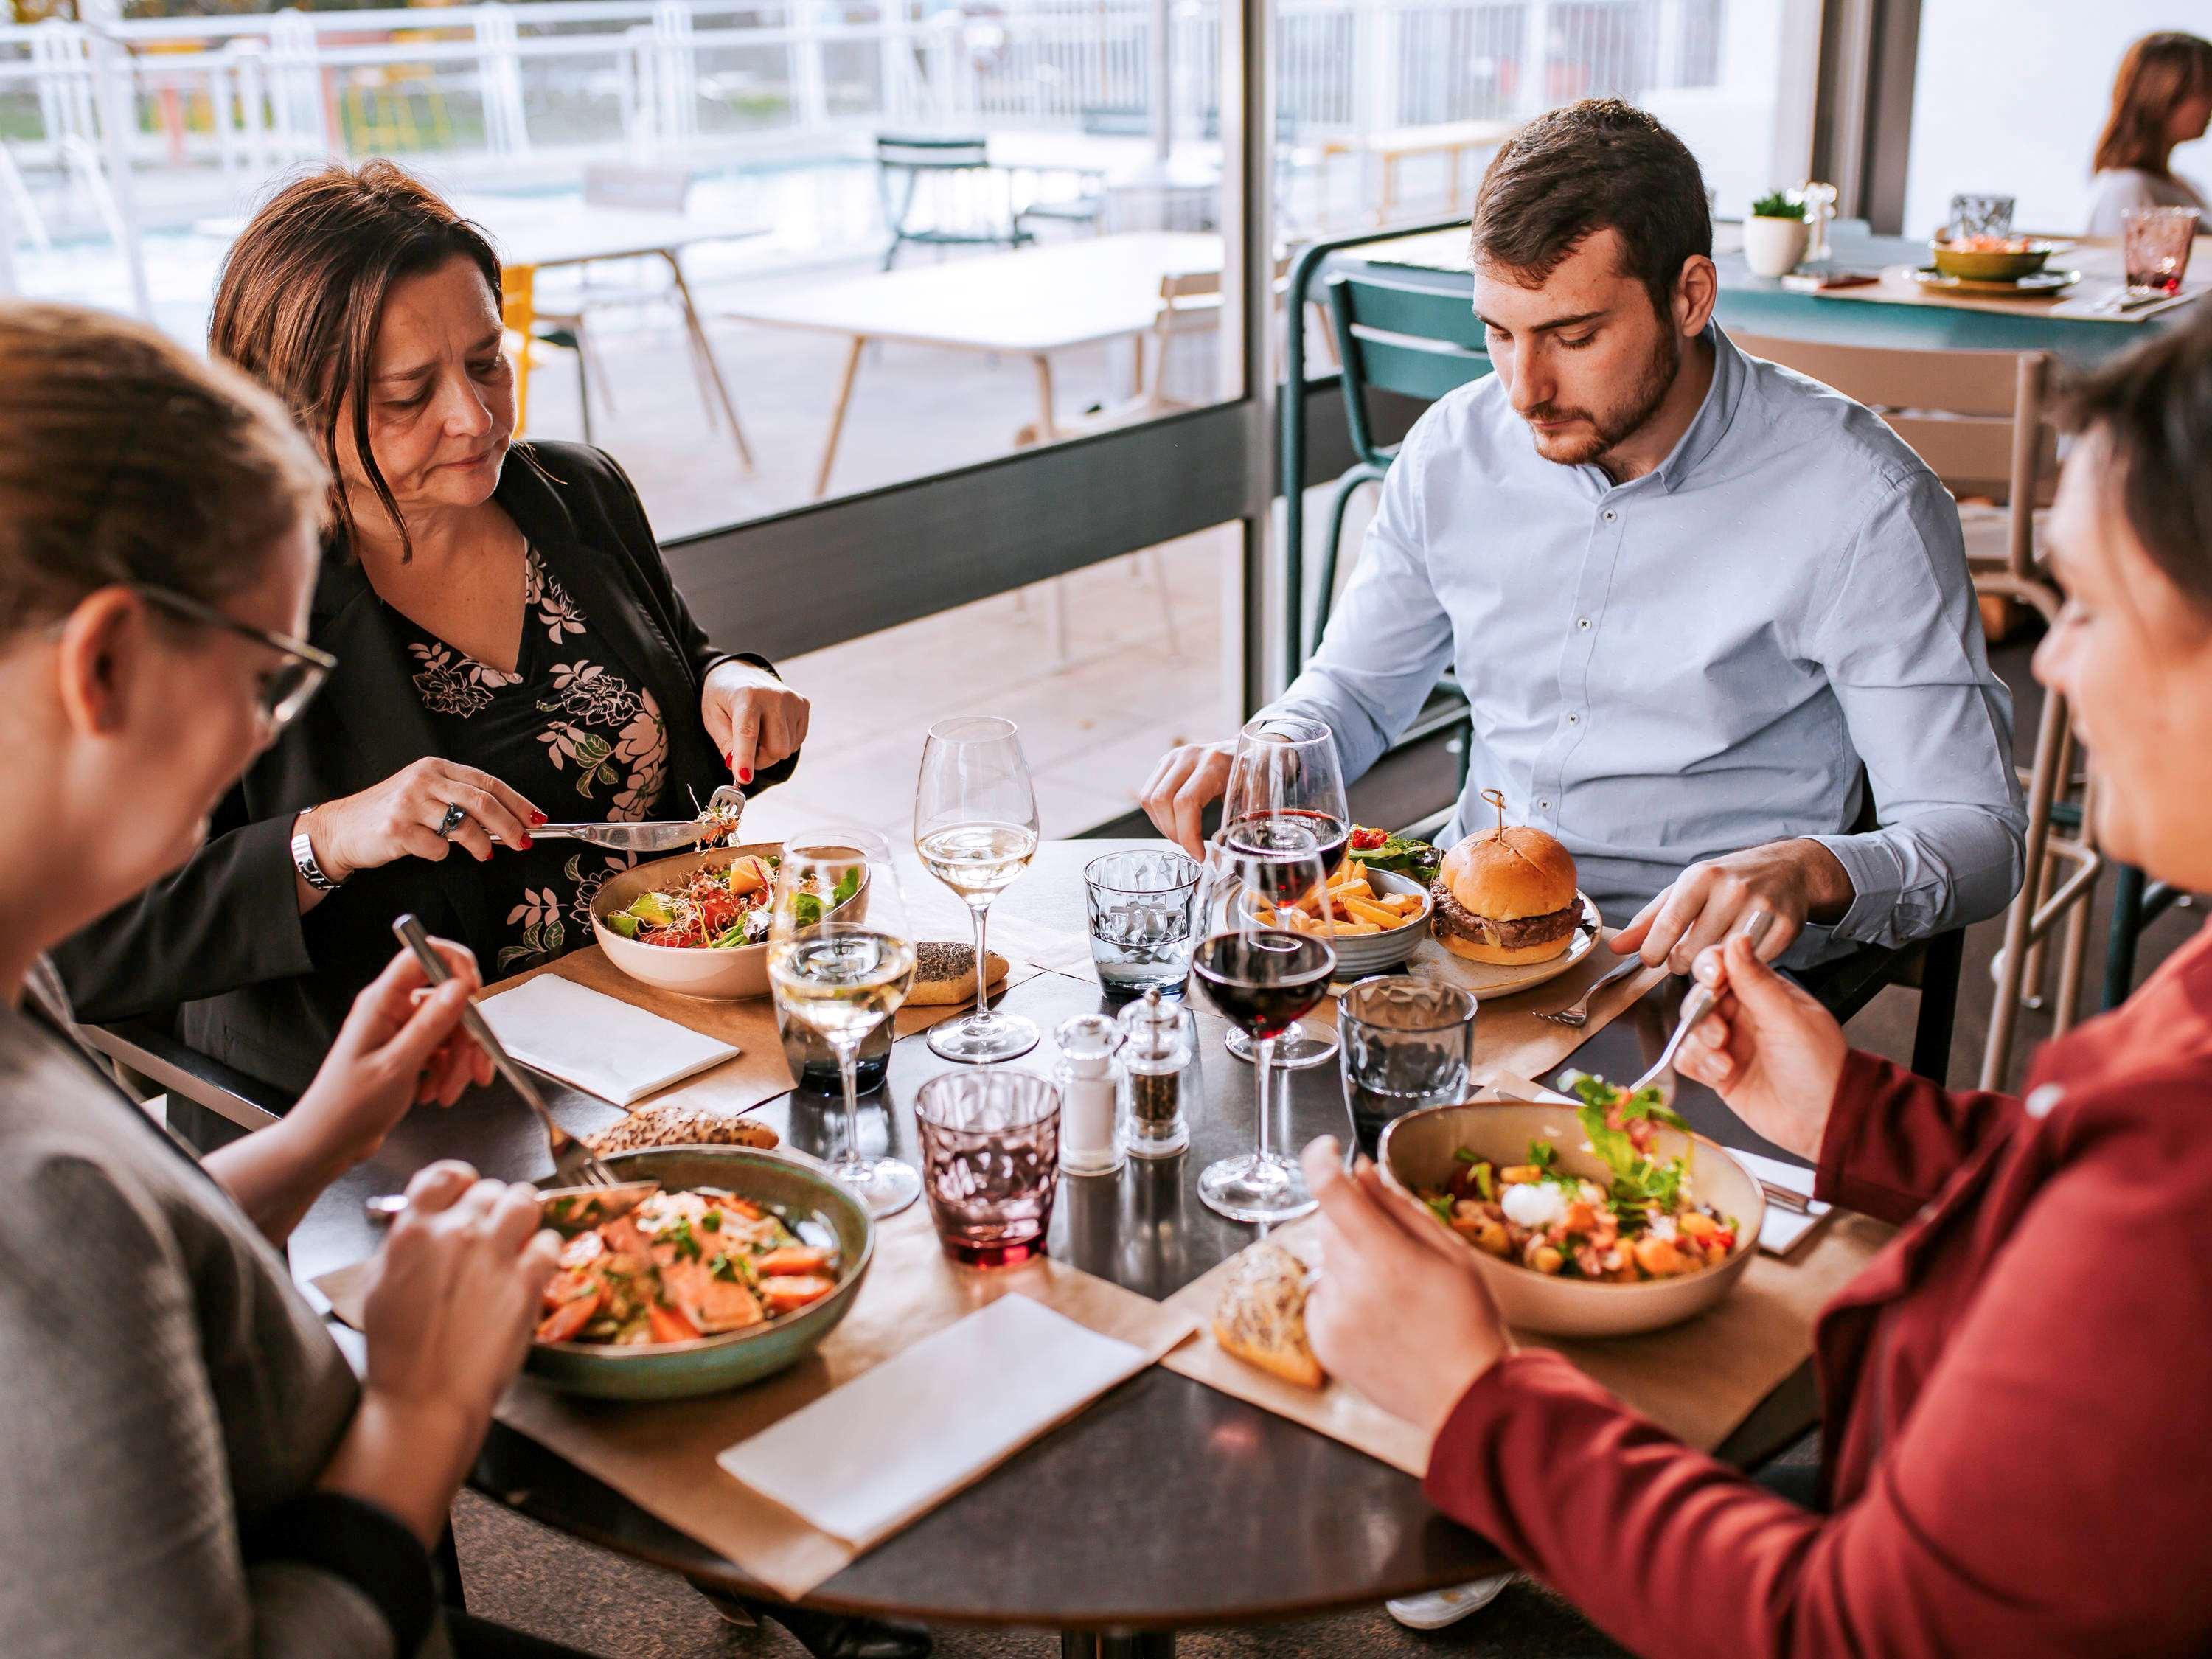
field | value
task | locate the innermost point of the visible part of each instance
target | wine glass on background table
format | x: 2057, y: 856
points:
x: 975, y: 828
x: 1287, y: 772
x: 840, y: 960
x: 1262, y: 975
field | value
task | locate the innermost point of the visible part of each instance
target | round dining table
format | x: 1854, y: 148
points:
x: 1166, y: 1505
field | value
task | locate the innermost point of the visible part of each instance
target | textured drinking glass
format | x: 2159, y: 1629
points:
x: 1407, y: 1044
x: 1979, y: 215
x: 1141, y: 906
x: 2158, y: 240
x: 990, y: 1162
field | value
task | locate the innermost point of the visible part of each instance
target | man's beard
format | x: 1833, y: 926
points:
x: 1601, y: 434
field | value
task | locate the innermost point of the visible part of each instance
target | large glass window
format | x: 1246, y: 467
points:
x: 2024, y: 122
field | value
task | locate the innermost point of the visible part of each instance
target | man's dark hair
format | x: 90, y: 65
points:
x: 2153, y: 408
x: 1580, y: 169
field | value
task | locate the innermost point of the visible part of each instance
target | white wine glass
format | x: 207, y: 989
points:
x: 1286, y: 771
x: 1263, y: 973
x: 841, y: 961
x: 975, y: 828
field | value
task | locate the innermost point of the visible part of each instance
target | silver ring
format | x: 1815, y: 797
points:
x: 454, y: 819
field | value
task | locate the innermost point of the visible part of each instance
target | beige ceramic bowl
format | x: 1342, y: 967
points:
x: 1418, y: 1152
x: 740, y: 972
x: 1980, y: 265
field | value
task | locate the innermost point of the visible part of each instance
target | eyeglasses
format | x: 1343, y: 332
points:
x: 290, y: 687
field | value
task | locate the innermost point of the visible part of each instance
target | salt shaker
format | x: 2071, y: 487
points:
x: 1159, y: 1060
x: 1090, y: 1141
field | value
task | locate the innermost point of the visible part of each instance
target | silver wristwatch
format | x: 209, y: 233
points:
x: 303, y: 859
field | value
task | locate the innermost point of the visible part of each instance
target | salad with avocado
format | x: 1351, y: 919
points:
x: 1379, y: 850
x: 722, y: 907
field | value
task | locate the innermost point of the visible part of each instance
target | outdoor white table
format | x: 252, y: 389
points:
x: 1027, y: 304
x: 1454, y: 140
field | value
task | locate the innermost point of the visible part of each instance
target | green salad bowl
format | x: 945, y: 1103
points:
x: 812, y: 1205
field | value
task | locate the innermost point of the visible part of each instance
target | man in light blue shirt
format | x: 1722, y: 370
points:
x: 1706, y: 611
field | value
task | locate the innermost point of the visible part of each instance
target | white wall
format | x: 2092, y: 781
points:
x: 2010, y: 95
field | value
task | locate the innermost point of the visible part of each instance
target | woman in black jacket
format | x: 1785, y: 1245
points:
x: 511, y: 650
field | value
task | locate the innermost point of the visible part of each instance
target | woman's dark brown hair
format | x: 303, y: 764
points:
x: 126, y: 459
x: 2159, y: 71
x: 2152, y: 408
x: 303, y: 291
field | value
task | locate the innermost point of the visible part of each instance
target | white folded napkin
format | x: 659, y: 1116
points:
x: 1783, y: 1228
x: 868, y: 1457
x: 602, y: 1045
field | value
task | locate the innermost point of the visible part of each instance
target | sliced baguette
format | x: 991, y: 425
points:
x: 1262, y: 1316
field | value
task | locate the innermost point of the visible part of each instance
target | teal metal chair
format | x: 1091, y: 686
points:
x: 1390, y: 336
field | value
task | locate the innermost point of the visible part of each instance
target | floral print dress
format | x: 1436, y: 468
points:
x: 566, y: 730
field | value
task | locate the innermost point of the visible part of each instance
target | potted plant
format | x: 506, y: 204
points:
x: 1775, y: 235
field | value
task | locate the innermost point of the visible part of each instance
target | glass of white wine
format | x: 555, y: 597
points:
x: 976, y: 827
x: 841, y: 961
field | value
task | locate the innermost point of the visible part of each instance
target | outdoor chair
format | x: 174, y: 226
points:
x: 528, y: 333
x: 1084, y: 210
x: 968, y: 201
x: 1977, y: 419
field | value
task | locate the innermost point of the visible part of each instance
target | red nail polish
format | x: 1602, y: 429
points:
x: 538, y: 817
x: 744, y: 775
x: 525, y: 844
x: 728, y: 762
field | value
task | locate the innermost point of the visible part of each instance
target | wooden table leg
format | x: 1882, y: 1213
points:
x: 837, y: 414
x: 706, y: 351
x: 1047, y: 427
x: 1117, y: 1644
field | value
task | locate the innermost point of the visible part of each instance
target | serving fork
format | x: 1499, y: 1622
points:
x: 1576, y: 1013
x: 574, y: 1165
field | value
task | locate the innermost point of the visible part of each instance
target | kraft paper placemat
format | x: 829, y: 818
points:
x: 759, y: 1072
x: 1699, y: 1380
x: 1509, y: 1037
x: 661, y: 1455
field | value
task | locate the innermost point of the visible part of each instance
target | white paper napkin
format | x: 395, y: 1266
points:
x: 604, y: 1046
x: 1783, y: 1228
x: 867, y: 1457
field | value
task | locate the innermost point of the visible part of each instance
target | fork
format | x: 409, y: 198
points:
x: 1696, y: 1006
x: 574, y: 1165
x: 1576, y: 1013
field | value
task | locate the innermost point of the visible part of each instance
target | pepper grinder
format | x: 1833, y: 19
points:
x: 1090, y: 1141
x: 1159, y: 1060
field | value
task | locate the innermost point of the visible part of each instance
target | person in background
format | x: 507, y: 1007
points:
x: 2161, y: 98
x: 1708, y: 614
x: 189, y: 1464
x: 2017, y: 1392
x: 511, y: 649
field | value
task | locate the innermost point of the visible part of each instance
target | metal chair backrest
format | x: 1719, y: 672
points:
x: 646, y: 189
x: 1117, y: 121
x: 1400, y: 337
x: 901, y: 154
x: 1976, y: 417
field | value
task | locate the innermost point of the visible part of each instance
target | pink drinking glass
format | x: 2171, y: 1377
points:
x: 2157, y: 242
x: 990, y: 1162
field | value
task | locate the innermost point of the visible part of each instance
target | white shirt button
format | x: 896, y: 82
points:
x: 1574, y: 720
x: 1544, y: 805
x: 1581, y: 622
x: 2040, y: 1104
x: 1610, y: 515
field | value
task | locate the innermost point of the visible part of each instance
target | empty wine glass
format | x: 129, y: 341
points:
x: 1287, y: 770
x: 975, y: 828
x: 1263, y: 973
x: 840, y: 962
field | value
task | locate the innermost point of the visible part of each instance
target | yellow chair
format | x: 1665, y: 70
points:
x: 526, y: 332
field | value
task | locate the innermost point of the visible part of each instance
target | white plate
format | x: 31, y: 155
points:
x: 1432, y: 961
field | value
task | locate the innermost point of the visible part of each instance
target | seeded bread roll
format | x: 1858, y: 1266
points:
x: 945, y: 973
x: 680, y: 1125
x: 1262, y: 1316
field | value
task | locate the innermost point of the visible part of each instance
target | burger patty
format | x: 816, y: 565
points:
x: 1453, y: 917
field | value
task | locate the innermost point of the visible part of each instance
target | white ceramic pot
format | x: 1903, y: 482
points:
x: 1772, y: 247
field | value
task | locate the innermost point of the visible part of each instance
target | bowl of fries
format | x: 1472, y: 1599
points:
x: 1376, y: 918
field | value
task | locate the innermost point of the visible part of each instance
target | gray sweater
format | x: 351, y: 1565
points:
x: 163, y: 1386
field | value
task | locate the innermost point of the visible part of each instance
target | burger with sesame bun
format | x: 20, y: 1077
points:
x: 1506, y: 897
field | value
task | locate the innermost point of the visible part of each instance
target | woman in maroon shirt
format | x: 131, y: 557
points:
x: 2017, y: 1450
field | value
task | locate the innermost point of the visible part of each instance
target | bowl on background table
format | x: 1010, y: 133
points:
x: 1421, y: 1150
x: 812, y: 1204
x: 1990, y: 264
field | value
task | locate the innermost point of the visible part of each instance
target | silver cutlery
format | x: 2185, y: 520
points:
x: 625, y: 837
x: 1576, y: 1013
x: 1697, y: 1004
x: 574, y: 1165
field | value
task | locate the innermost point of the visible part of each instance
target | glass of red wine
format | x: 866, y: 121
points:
x: 1286, y: 770
x: 1262, y: 973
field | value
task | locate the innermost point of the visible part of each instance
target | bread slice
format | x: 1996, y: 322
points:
x: 1262, y: 1316
x: 680, y: 1125
x: 944, y: 974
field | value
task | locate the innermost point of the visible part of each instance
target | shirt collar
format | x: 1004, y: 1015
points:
x: 1731, y: 372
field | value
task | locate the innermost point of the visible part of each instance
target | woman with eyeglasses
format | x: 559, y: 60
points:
x: 188, y: 1465
x: 511, y: 650
x: 2016, y: 1447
